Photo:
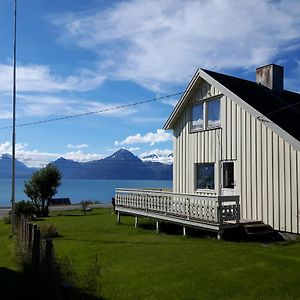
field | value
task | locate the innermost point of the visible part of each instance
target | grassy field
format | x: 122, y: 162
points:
x: 140, y: 264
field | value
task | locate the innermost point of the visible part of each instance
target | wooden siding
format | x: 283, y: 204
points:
x: 267, y: 168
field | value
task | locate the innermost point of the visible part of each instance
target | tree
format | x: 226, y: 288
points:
x: 42, y: 186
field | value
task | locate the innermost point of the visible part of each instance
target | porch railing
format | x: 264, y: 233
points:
x: 211, y: 209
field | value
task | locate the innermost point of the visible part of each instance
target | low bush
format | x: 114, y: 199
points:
x: 49, y: 231
x: 85, y: 206
x: 26, y: 209
x: 7, y: 218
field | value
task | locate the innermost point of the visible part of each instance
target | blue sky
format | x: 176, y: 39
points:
x: 80, y: 56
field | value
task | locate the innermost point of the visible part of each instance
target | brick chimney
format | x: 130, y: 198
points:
x: 270, y: 76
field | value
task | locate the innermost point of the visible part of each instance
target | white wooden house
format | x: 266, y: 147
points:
x: 234, y: 136
x: 237, y: 138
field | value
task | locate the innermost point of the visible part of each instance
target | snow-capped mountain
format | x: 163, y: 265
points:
x: 120, y: 165
x: 162, y: 158
x: 22, y: 171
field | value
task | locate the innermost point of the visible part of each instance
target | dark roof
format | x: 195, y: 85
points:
x: 283, y: 108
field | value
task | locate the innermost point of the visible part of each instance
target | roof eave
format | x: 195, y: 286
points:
x: 255, y: 113
x: 180, y: 104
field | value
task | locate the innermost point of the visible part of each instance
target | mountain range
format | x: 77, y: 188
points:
x: 22, y: 171
x: 120, y: 165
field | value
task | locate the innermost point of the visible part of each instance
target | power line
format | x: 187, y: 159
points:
x: 94, y: 112
x: 123, y: 106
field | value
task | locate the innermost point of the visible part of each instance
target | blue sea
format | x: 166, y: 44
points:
x: 81, y: 189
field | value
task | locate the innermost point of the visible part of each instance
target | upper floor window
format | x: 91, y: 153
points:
x: 213, y: 113
x: 206, y: 115
x: 197, y: 117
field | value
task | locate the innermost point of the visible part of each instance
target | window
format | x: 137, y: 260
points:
x: 213, y: 113
x: 206, y: 176
x: 206, y: 115
x: 197, y: 116
x: 228, y: 175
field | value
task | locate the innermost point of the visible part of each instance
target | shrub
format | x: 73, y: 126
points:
x: 49, y: 231
x: 85, y: 205
x: 7, y: 218
x: 25, y: 208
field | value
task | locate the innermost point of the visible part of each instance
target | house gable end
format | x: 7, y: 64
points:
x: 205, y: 76
x: 198, y: 90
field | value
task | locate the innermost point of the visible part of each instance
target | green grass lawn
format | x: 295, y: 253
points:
x: 140, y: 264
x: 8, y: 265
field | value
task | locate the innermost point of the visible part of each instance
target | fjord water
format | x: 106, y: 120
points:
x: 82, y: 189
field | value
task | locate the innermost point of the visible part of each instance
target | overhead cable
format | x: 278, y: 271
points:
x: 93, y: 112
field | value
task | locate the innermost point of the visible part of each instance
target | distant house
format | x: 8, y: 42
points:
x: 234, y: 137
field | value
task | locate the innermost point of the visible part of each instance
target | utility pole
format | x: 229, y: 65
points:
x: 13, y: 165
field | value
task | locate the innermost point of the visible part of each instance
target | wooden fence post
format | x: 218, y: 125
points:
x: 48, y: 253
x: 25, y: 233
x: 36, y: 246
x: 30, y: 234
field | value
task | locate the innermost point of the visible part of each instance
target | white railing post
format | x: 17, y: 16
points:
x: 189, y: 208
x: 147, y: 200
x: 237, y: 203
x: 220, y: 211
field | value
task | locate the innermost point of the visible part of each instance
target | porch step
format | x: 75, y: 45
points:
x: 259, y: 231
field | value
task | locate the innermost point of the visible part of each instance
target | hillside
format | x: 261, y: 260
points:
x: 120, y: 165
x: 22, y: 171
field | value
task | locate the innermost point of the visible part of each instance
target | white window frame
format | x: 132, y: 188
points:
x: 205, y: 190
x: 191, y: 118
x: 222, y: 174
x: 205, y: 115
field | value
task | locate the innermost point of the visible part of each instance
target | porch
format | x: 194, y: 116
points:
x: 213, y: 213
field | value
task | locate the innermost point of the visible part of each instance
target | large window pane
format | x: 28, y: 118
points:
x: 205, y: 176
x: 197, y: 116
x: 213, y: 113
x: 228, y: 175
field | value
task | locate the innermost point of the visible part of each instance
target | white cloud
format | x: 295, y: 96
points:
x: 78, y: 146
x: 5, y: 114
x: 35, y: 158
x: 39, y: 78
x: 171, y: 102
x: 82, y: 157
x: 132, y: 149
x: 147, y: 120
x: 149, y: 138
x: 293, y: 82
x: 155, y: 43
x: 49, y: 105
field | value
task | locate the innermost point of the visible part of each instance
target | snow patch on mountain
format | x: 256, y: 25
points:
x: 163, y: 156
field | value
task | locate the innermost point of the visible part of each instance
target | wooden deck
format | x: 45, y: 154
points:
x: 207, y: 212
